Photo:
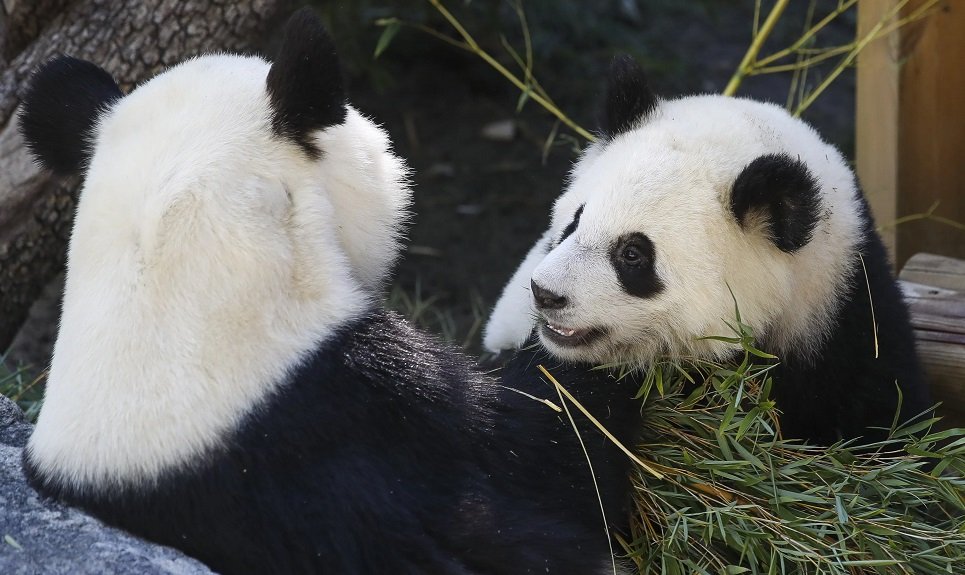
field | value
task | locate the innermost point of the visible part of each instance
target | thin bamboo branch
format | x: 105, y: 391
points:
x: 755, y: 46
x: 811, y: 32
x: 645, y: 465
x: 425, y: 29
x: 474, y: 47
x: 826, y: 54
x: 921, y: 12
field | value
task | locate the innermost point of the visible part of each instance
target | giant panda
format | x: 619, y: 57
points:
x: 687, y: 206
x: 225, y: 380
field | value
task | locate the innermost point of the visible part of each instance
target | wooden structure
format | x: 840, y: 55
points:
x: 910, y: 147
x: 934, y: 288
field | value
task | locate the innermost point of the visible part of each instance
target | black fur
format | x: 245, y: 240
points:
x: 387, y: 453
x: 545, y: 299
x: 571, y: 227
x: 784, y: 189
x: 61, y: 105
x: 847, y: 390
x: 629, y: 98
x: 638, y: 274
x: 305, y: 83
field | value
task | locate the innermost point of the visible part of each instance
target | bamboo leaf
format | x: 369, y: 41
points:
x: 392, y: 27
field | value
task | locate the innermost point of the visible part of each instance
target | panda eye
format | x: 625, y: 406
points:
x: 631, y: 255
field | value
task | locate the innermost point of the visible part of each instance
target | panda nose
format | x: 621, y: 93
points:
x: 545, y: 299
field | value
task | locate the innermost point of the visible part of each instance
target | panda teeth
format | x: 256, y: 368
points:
x: 561, y: 330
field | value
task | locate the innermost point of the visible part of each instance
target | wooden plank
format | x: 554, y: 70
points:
x: 939, y: 336
x: 943, y: 364
x: 935, y: 309
x: 938, y: 317
x: 931, y: 126
x: 876, y: 127
x: 935, y: 270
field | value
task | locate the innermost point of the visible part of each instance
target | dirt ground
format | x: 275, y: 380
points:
x: 481, y: 200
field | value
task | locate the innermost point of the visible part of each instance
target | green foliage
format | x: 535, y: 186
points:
x: 18, y: 385
x: 734, y: 497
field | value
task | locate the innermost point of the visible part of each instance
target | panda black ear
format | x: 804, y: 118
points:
x: 305, y: 82
x: 783, y: 190
x: 60, y: 108
x: 628, y: 98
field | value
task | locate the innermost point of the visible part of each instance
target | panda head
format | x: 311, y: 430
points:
x: 225, y: 136
x: 234, y: 214
x: 679, y: 205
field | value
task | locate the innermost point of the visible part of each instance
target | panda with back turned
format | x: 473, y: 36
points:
x: 224, y: 380
x: 684, y: 206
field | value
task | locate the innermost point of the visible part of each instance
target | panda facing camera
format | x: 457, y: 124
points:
x: 685, y: 205
x: 224, y: 380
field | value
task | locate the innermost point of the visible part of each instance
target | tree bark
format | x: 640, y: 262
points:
x: 21, y: 21
x: 131, y: 39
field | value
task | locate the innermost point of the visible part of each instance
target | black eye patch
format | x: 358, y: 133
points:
x: 571, y: 227
x: 634, y: 257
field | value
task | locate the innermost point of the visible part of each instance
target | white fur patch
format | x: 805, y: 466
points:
x: 670, y: 179
x: 513, y: 317
x: 208, y: 257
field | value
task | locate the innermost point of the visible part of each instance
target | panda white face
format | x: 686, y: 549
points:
x: 234, y: 213
x: 684, y: 202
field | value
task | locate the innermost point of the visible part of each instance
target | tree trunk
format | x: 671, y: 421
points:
x: 131, y: 39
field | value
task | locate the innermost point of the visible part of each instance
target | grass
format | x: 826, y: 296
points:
x: 717, y: 490
x: 429, y: 314
x: 25, y: 390
x: 736, y: 498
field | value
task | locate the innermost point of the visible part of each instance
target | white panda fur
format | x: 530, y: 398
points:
x: 787, y: 294
x: 268, y: 289
x: 668, y: 171
x: 512, y: 319
x: 224, y: 380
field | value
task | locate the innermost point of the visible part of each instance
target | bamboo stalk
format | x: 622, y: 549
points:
x: 474, y: 47
x: 755, y: 47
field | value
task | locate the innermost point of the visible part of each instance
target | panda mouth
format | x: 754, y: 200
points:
x: 570, y: 337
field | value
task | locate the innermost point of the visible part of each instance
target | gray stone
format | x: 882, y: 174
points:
x: 39, y: 536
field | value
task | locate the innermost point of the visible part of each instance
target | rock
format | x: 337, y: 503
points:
x: 501, y: 131
x: 470, y: 209
x: 39, y: 536
x: 440, y: 170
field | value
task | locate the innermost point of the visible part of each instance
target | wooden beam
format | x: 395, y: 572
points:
x: 934, y: 288
x: 931, y: 130
x: 876, y: 126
